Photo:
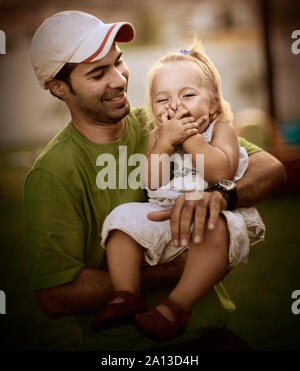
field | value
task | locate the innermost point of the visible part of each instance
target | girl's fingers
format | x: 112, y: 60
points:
x: 171, y: 113
x: 190, y: 124
x: 202, y: 119
x: 188, y: 120
x: 181, y: 113
x: 164, y: 117
x: 190, y: 132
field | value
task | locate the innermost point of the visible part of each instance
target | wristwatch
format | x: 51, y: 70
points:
x: 229, y: 188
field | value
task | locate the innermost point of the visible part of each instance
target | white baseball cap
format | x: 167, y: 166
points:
x: 73, y: 37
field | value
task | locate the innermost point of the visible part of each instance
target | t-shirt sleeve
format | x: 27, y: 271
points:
x: 250, y: 147
x: 54, y: 231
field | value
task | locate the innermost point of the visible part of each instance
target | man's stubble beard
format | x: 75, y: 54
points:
x: 103, y: 116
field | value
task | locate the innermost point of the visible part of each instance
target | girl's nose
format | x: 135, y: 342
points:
x: 175, y: 103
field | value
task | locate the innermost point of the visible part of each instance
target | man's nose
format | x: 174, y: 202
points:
x: 118, y: 79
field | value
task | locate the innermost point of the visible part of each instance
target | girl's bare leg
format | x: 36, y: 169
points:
x: 124, y: 258
x: 206, y: 264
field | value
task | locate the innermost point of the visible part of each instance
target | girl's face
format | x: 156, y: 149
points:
x: 182, y: 85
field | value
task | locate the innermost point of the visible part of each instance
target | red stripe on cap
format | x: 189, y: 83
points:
x: 99, y: 50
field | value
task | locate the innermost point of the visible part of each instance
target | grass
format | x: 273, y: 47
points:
x: 261, y: 289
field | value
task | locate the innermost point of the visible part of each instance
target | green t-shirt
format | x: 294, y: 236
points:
x: 64, y: 211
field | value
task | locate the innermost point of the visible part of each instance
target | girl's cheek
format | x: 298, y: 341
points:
x: 158, y: 111
x: 157, y: 116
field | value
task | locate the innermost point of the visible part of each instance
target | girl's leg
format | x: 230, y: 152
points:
x: 206, y: 264
x: 124, y: 258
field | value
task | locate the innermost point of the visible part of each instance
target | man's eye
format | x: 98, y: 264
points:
x: 119, y: 61
x: 98, y: 77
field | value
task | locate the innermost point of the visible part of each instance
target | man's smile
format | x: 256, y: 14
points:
x: 120, y: 99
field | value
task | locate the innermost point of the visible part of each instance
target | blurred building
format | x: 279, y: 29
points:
x: 232, y: 33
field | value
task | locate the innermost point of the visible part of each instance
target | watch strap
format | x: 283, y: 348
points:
x: 232, y: 195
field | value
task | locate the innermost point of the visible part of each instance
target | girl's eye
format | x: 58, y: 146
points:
x: 189, y: 95
x: 162, y: 100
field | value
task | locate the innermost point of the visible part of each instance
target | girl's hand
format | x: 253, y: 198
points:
x: 176, y: 127
x: 202, y: 122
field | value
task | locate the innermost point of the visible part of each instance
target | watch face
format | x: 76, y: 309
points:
x: 227, y: 184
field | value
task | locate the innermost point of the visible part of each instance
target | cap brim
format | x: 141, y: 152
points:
x: 97, y: 44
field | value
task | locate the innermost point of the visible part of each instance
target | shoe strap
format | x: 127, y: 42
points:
x: 126, y: 295
x: 181, y: 315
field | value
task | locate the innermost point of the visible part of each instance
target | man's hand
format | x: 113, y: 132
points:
x: 264, y: 175
x: 185, y: 212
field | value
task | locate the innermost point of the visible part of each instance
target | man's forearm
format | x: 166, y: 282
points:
x: 86, y: 294
x: 92, y: 288
x: 264, y: 175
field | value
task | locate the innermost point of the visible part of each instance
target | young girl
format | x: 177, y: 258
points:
x: 191, y: 117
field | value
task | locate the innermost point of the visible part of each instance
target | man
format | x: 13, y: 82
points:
x: 75, y: 56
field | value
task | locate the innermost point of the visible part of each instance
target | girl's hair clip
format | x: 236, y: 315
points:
x: 184, y: 51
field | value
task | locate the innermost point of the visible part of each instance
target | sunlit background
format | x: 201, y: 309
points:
x: 250, y: 42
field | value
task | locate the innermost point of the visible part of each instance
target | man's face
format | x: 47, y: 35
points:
x: 100, y: 89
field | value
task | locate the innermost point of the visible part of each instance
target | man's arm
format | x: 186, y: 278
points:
x: 54, y: 243
x: 92, y: 288
x: 85, y: 294
x: 263, y: 176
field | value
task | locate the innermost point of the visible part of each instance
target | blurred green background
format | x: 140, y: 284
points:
x: 234, y: 36
x: 260, y: 289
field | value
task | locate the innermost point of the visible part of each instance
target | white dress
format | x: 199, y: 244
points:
x: 245, y: 225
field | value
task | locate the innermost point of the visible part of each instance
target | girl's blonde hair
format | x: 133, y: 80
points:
x: 197, y: 55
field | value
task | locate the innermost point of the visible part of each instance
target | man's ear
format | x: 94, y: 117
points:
x: 57, y: 87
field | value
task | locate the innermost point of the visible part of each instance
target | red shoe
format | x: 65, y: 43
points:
x: 116, y: 314
x: 158, y: 327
